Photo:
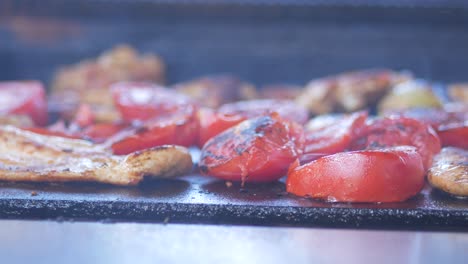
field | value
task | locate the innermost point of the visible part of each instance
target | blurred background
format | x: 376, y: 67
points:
x: 260, y: 41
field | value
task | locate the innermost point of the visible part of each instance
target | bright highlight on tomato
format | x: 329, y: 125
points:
x: 24, y: 98
x: 387, y: 175
x: 256, y: 150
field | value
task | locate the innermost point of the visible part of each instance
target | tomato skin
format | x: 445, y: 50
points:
x: 178, y: 129
x: 24, y: 98
x: 256, y: 150
x: 450, y: 123
x: 213, y: 122
x: 333, y: 137
x: 455, y: 135
x: 398, y: 131
x: 84, y: 116
x: 387, y: 175
x: 144, y: 101
x: 99, y: 133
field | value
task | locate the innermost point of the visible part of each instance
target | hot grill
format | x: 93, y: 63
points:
x: 287, y: 41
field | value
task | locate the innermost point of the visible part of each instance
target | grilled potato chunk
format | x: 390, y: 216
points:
x: 449, y: 172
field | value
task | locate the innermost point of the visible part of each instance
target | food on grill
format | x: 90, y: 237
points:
x: 450, y: 171
x: 213, y: 91
x: 213, y: 122
x: 163, y: 117
x: 348, y: 92
x: 144, y: 101
x: 23, y: 98
x: 88, y: 81
x: 130, y: 125
x: 399, y: 131
x: 330, y: 134
x: 176, y: 129
x: 459, y: 92
x: 350, y: 160
x: 450, y: 123
x: 26, y: 156
x: 408, y: 95
x: 384, y: 175
x: 256, y: 150
x: 455, y: 134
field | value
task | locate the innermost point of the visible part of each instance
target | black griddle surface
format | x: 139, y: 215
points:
x: 197, y: 199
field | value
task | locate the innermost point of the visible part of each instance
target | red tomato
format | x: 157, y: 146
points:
x: 99, y: 133
x: 455, y: 135
x: 331, y: 136
x: 287, y: 109
x: 84, y: 116
x: 178, y: 129
x: 387, y: 175
x: 434, y: 116
x: 398, y: 131
x: 450, y: 123
x: 214, y: 122
x: 145, y: 101
x: 24, y: 98
x: 256, y: 150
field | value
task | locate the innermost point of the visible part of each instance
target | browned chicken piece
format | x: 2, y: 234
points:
x: 213, y: 91
x: 280, y: 91
x: 348, y: 92
x: 26, y: 156
x: 450, y: 171
x: 459, y: 92
x: 89, y: 80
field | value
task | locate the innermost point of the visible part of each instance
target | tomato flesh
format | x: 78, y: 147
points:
x: 387, y: 175
x: 213, y: 122
x: 99, y: 133
x: 24, y: 98
x: 398, y: 131
x: 84, y: 116
x: 455, y: 135
x: 179, y: 129
x: 287, y: 109
x: 256, y: 150
x: 334, y: 136
x: 450, y: 124
x: 145, y: 101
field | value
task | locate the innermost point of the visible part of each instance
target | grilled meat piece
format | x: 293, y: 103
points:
x: 213, y: 91
x: 348, y: 92
x: 450, y: 171
x: 26, y: 156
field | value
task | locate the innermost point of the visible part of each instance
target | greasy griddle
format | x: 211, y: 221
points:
x: 197, y: 199
x: 260, y: 43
